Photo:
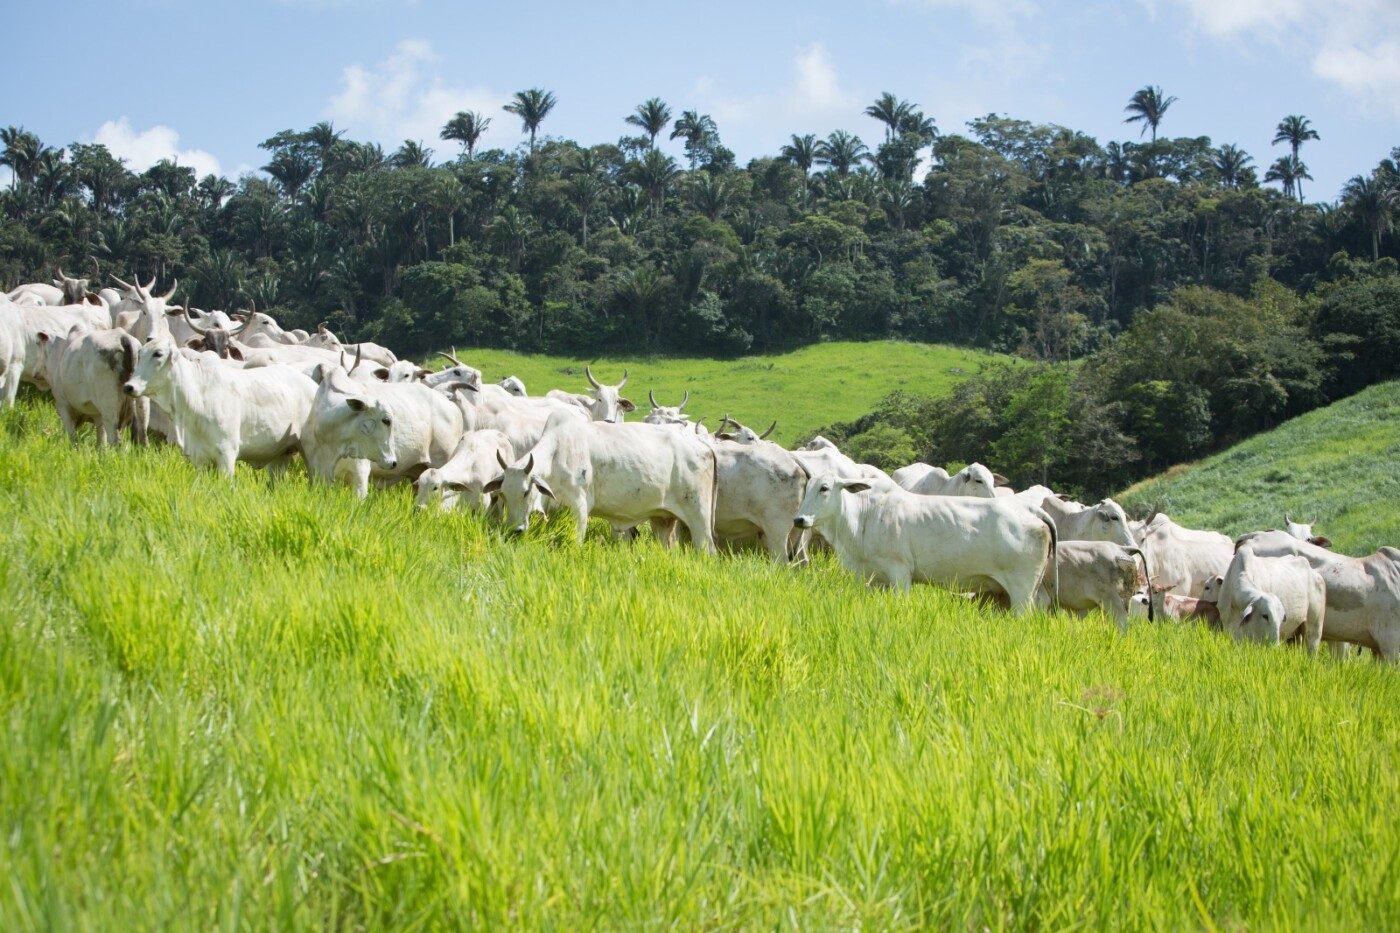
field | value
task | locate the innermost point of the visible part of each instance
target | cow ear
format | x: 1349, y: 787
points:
x: 235, y: 353
x: 1247, y: 613
x: 381, y: 374
x: 456, y: 487
x: 494, y: 485
x: 543, y: 487
x: 1000, y: 480
x: 356, y: 404
x: 626, y: 404
x: 195, y: 343
x: 856, y: 486
x: 1321, y: 541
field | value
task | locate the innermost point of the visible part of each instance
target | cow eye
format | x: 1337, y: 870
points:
x: 825, y: 488
x: 386, y: 420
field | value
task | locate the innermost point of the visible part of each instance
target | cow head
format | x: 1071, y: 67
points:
x: 740, y: 433
x: 1110, y: 523
x: 358, y: 425
x: 513, y: 385
x: 666, y: 414
x: 432, y: 485
x: 976, y: 480
x: 1303, y: 531
x: 1262, y: 620
x: 608, y: 404
x: 821, y: 501
x: 258, y: 324
x: 323, y: 338
x: 457, y: 372
x: 75, y: 290
x: 518, y: 484
x: 154, y: 363
x: 1210, y: 590
x: 215, y: 339
x: 151, y: 308
x: 820, y: 443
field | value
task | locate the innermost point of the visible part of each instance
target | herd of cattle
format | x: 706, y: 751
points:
x: 228, y: 388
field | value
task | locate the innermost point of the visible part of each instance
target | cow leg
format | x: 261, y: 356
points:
x: 1020, y: 593
x: 11, y: 385
x: 65, y: 414
x: 580, y: 510
x: 140, y: 420
x: 696, y: 521
x: 357, y: 474
x: 1388, y: 645
x: 664, y: 530
x: 897, y: 577
x: 775, y: 539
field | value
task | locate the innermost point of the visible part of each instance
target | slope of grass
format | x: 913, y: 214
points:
x: 805, y: 389
x: 1340, y: 464
x: 263, y: 704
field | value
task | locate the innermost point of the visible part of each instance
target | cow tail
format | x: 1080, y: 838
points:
x: 1146, y: 572
x: 1052, y: 576
x: 714, y: 494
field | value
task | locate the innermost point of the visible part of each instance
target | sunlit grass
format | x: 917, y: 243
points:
x: 263, y: 704
x: 806, y: 389
x: 1339, y: 464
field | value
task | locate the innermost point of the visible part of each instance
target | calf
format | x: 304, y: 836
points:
x: 1100, y: 575
x: 1270, y: 599
x: 463, y: 478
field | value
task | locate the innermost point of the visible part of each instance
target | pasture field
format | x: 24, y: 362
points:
x: 259, y: 703
x: 805, y: 389
x: 1339, y: 464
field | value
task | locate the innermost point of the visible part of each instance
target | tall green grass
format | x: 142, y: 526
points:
x: 257, y: 704
x: 804, y: 390
x: 1339, y: 464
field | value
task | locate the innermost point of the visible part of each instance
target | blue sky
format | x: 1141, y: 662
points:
x: 206, y: 80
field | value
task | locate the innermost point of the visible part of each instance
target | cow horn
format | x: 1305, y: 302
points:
x: 170, y: 294
x: 149, y: 285
x: 529, y: 463
x: 591, y: 381
x: 247, y: 320
x: 252, y: 307
x: 342, y: 361
x: 502, y: 461
x: 684, y: 400
x: 96, y: 269
x: 61, y: 274
x: 624, y: 379
x: 125, y: 284
x: 321, y: 327
x: 1314, y: 521
x: 652, y: 398
x: 699, y: 424
x: 453, y: 357
x: 770, y: 429
x: 193, y: 326
x: 723, y: 421
x: 359, y: 349
x: 1287, y: 519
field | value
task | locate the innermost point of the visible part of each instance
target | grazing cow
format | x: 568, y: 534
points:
x: 1189, y: 557
x: 346, y: 423
x: 1103, y: 522
x: 1100, y: 575
x: 972, y: 480
x: 1363, y: 593
x: 760, y: 490
x: 1171, y: 606
x: 1271, y: 599
x: 86, y: 371
x: 899, y: 537
x: 1303, y: 531
x: 220, y: 413
x: 463, y: 478
x: 428, y: 425
x: 603, y: 403
x: 624, y: 473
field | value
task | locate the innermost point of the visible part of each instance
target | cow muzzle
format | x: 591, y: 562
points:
x: 802, y: 521
x: 129, y: 388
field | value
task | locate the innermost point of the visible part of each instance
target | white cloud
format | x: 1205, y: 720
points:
x: 813, y: 93
x: 1352, y: 44
x: 997, y: 13
x: 146, y: 148
x: 403, y: 97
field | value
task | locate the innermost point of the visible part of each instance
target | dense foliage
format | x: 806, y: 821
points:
x: 1014, y: 236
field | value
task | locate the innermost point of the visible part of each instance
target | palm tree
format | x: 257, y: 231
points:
x: 651, y: 118
x: 1287, y: 170
x: 1148, y: 107
x: 1373, y: 202
x: 1230, y: 162
x: 915, y: 123
x: 697, y: 129
x: 584, y: 191
x: 890, y: 111
x: 802, y: 151
x: 466, y: 128
x: 21, y: 153
x: 711, y: 194
x: 531, y: 106
x: 1295, y: 130
x: 291, y: 169
x: 842, y: 151
x: 655, y: 172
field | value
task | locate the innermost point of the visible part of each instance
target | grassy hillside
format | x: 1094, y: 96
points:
x: 263, y: 704
x: 1340, y: 464
x: 804, y: 390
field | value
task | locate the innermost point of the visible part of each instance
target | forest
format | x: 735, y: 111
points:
x: 1171, y: 293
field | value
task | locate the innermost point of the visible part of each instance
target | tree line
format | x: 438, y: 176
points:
x: 1027, y: 238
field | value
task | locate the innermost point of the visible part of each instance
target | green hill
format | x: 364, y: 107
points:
x: 804, y: 390
x: 1339, y: 464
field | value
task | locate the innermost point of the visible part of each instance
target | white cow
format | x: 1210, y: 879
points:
x: 1100, y: 575
x: 1303, y: 531
x: 514, y: 385
x: 220, y: 413
x: 624, y: 473
x: 1103, y: 522
x: 668, y: 414
x: 731, y: 430
x: 521, y: 419
x: 899, y: 537
x: 372, y: 352
x: 972, y: 480
x: 86, y: 371
x: 427, y: 428
x: 760, y: 490
x: 1271, y: 599
x: 1363, y: 593
x: 1184, y: 556
x: 346, y: 423
x: 462, y: 479
x: 602, y: 403
x: 12, y: 351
